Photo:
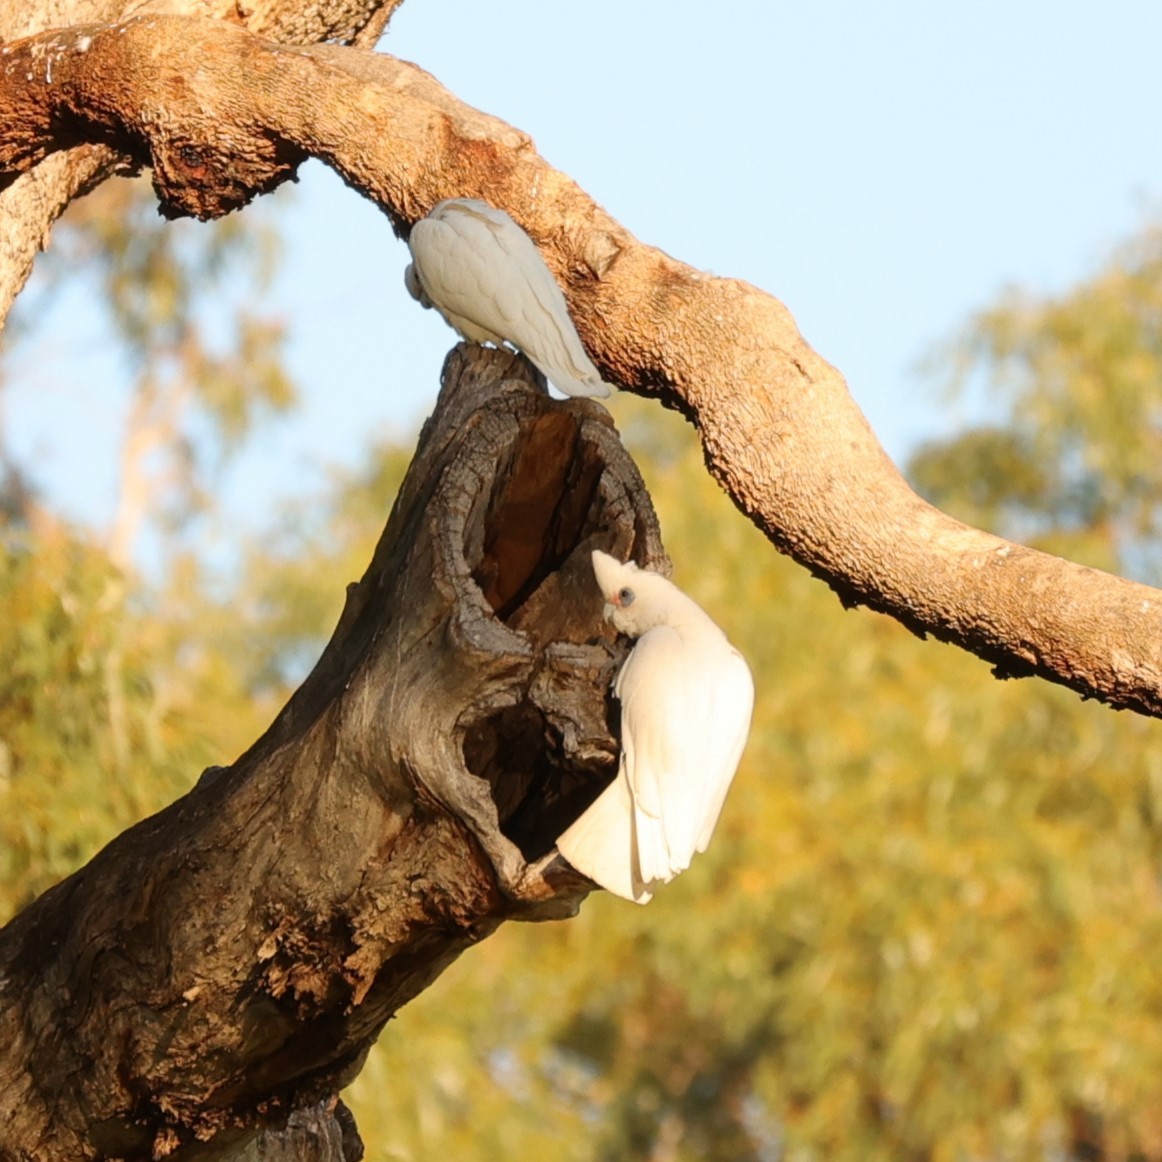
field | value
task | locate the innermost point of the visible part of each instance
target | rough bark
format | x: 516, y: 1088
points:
x: 780, y: 431
x: 230, y: 961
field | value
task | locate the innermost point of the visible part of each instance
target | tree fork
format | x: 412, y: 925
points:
x: 228, y: 963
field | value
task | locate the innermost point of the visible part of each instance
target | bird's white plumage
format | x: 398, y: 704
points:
x: 485, y: 276
x: 686, y: 699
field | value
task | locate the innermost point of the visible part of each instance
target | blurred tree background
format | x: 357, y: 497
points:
x: 926, y: 929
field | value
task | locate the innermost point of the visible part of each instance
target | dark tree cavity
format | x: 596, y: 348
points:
x: 210, y: 981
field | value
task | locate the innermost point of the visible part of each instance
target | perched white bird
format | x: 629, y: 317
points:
x: 686, y: 699
x: 484, y: 274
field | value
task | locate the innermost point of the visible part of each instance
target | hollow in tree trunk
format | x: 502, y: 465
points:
x: 207, y: 985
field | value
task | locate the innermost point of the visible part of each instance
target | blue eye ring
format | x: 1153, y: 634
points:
x: 625, y: 596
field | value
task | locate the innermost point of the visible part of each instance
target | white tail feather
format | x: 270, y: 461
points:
x: 602, y: 845
x: 658, y: 862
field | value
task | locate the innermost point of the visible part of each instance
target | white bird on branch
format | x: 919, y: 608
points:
x: 484, y: 274
x: 686, y: 698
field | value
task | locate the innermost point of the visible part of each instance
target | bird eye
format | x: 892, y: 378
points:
x: 625, y: 596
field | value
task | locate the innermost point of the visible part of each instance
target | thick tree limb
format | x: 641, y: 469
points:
x: 232, y: 959
x: 779, y: 428
x: 29, y: 207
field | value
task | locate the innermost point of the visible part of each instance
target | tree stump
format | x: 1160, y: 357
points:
x: 209, y: 982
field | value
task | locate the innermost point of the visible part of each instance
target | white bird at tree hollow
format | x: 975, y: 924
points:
x: 686, y: 699
x: 486, y: 277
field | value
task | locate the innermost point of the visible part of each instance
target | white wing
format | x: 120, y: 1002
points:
x: 621, y: 841
x: 732, y: 703
x: 686, y: 707
x: 602, y: 845
x: 484, y: 274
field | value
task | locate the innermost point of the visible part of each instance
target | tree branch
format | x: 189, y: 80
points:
x: 233, y: 958
x: 30, y: 206
x: 779, y: 429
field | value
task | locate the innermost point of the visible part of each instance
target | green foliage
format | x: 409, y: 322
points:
x: 108, y: 708
x: 1078, y: 455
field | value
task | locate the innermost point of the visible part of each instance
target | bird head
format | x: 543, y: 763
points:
x: 635, y: 599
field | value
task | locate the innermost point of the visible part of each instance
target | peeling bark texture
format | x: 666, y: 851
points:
x: 780, y: 431
x: 225, y: 965
x: 29, y: 206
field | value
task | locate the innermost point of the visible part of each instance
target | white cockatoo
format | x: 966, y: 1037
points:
x: 484, y: 274
x: 686, y: 699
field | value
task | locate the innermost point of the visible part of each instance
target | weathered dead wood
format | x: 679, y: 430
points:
x: 232, y: 959
x: 780, y: 431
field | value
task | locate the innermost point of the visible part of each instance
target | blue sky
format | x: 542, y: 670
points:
x: 883, y: 169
